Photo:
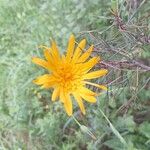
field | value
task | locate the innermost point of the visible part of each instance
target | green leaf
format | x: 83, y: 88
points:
x: 145, y: 129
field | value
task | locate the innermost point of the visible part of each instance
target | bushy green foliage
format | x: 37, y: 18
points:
x: 29, y: 120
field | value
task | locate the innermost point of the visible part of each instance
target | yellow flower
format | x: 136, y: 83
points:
x: 69, y: 74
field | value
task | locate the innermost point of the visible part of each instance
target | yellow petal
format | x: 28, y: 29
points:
x: 47, y: 55
x: 86, y: 91
x: 55, y: 51
x: 78, y: 50
x: 71, y: 46
x: 50, y: 60
x: 68, y: 104
x: 62, y: 99
x: 48, y: 85
x: 95, y: 74
x: 89, y: 64
x: 88, y: 98
x: 86, y: 55
x: 40, y: 62
x: 65, y: 99
x: 55, y: 94
x: 43, y: 79
x: 51, y: 57
x: 80, y: 102
x: 96, y: 85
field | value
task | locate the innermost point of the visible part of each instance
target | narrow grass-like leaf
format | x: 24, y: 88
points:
x: 114, y: 130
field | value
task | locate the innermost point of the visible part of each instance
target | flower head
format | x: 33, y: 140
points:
x: 69, y: 74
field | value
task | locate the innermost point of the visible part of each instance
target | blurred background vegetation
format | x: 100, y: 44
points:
x: 121, y: 35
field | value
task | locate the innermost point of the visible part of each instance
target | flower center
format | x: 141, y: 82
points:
x: 67, y: 78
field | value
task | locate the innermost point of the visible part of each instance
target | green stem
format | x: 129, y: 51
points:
x: 76, y: 120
